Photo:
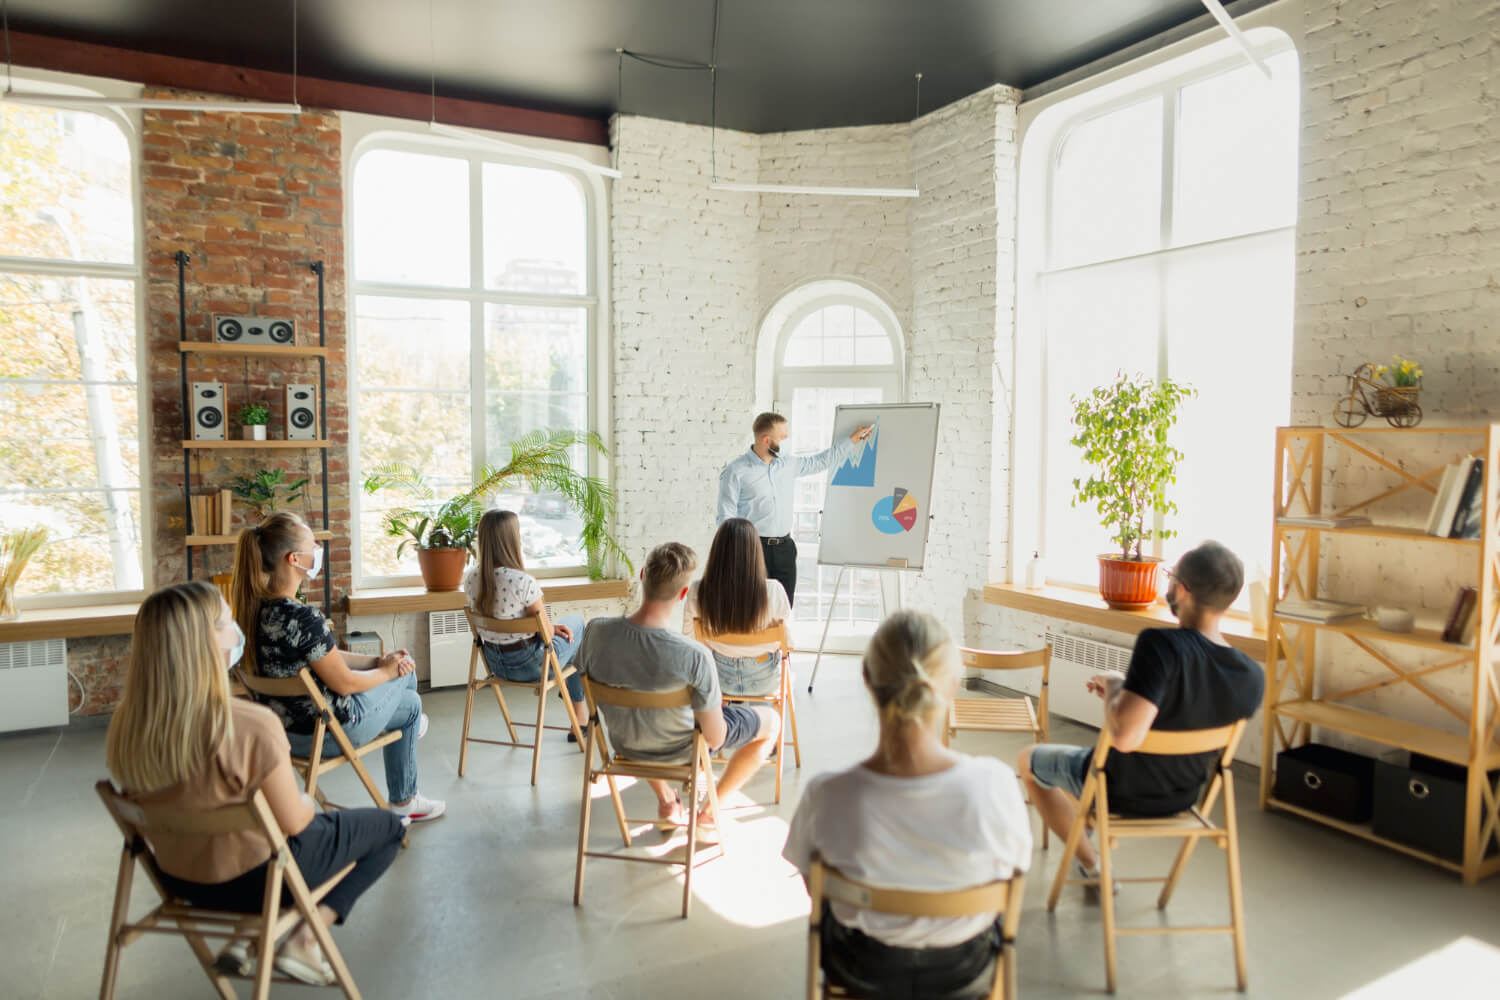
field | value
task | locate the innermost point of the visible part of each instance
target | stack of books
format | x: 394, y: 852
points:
x: 1462, y: 617
x: 212, y: 512
x: 1458, y: 508
x: 1319, y: 611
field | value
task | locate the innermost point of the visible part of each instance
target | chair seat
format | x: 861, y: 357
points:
x: 1010, y: 715
x: 331, y: 761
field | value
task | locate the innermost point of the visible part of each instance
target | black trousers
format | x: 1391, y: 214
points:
x: 781, y: 563
x: 873, y: 970
x: 370, y: 838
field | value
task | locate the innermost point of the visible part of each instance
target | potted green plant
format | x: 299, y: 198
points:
x: 267, y: 491
x: 443, y: 531
x: 253, y: 418
x: 1123, y: 432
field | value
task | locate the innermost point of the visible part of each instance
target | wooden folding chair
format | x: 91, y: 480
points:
x: 613, y: 766
x: 1005, y: 715
x: 1190, y: 826
x: 316, y: 764
x: 1003, y: 897
x: 176, y: 916
x: 553, y: 676
x: 783, y: 702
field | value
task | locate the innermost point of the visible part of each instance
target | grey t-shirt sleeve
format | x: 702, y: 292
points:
x: 704, y: 679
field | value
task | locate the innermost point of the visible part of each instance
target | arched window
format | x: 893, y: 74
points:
x: 70, y: 444
x: 834, y: 342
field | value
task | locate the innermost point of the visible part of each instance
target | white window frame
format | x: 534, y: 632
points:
x: 64, y: 84
x: 1180, y: 67
x: 365, y: 134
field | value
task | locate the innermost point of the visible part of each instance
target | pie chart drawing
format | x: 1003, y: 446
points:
x: 896, y: 513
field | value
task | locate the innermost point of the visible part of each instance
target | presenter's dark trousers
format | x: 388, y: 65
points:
x: 781, y: 562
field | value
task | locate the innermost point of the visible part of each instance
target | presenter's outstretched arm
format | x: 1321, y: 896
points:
x: 729, y: 496
x: 809, y: 464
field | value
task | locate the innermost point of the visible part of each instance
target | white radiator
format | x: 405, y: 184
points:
x: 33, y: 684
x: 449, y: 643
x: 1074, y: 661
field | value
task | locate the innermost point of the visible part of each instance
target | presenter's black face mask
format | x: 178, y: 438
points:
x: 774, y: 449
x: 1172, y: 596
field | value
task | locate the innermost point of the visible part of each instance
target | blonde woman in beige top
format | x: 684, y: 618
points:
x: 179, y: 739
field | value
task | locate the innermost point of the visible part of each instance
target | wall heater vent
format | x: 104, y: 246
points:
x: 449, y: 643
x: 33, y: 684
x: 1074, y: 661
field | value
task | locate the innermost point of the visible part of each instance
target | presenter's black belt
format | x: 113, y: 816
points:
x: 775, y: 541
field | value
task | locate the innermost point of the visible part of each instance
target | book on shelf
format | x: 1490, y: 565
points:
x: 1470, y: 513
x: 1323, y: 520
x: 1458, y: 614
x: 1320, y: 611
x: 1450, y: 492
x: 212, y: 512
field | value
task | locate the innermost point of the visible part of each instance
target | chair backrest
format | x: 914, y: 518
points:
x: 134, y: 819
x: 607, y: 694
x: 1180, y: 743
x: 537, y: 624
x: 777, y: 632
x: 301, y: 686
x: 996, y: 659
x: 224, y: 581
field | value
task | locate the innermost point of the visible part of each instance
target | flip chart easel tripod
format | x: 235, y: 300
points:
x: 890, y: 600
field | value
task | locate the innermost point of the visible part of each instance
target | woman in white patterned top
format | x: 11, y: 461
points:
x: 498, y: 586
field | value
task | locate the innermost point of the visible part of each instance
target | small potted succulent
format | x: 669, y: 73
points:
x: 1122, y: 430
x: 267, y: 491
x: 253, y: 418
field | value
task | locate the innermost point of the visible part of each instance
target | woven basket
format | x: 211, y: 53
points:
x: 1394, y: 400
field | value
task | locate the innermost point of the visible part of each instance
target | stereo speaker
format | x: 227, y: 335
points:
x: 208, y: 411
x: 252, y: 330
x: 301, y: 413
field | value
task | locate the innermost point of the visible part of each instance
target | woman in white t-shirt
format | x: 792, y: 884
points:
x: 498, y: 586
x: 915, y: 815
x: 736, y: 596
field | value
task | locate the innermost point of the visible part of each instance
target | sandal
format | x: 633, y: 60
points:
x: 304, y: 971
x: 236, y: 959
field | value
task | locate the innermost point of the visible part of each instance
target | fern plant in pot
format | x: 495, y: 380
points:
x: 444, y: 531
x: 1123, y: 431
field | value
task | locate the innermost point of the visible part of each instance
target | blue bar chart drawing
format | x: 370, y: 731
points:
x: 859, y: 470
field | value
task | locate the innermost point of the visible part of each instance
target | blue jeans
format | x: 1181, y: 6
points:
x: 393, y: 705
x: 523, y: 664
x: 748, y: 675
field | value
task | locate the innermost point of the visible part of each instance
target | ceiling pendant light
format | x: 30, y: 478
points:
x: 63, y: 102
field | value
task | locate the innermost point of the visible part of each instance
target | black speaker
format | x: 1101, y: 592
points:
x: 208, y: 411
x: 301, y: 413
x: 251, y: 330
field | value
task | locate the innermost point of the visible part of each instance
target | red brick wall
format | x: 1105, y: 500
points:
x: 252, y: 199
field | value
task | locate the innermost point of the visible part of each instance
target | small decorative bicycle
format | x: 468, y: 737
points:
x: 1368, y: 396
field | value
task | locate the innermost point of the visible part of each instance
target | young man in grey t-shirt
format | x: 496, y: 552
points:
x: 643, y: 652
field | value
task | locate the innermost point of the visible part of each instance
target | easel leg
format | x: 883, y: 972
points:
x: 838, y: 582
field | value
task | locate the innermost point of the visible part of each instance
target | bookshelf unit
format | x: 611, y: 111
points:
x: 1295, y: 704
x: 213, y: 349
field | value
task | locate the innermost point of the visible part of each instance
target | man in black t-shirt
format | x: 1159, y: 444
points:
x: 1179, y: 679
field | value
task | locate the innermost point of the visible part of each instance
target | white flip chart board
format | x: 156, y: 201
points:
x: 877, y: 505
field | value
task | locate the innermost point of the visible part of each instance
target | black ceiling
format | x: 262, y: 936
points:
x: 783, y: 64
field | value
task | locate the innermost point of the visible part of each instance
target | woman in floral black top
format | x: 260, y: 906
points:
x: 368, y: 696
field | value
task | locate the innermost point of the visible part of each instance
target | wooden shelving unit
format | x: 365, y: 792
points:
x: 1295, y: 705
x: 213, y: 349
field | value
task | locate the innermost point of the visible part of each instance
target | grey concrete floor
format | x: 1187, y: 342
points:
x: 480, y: 905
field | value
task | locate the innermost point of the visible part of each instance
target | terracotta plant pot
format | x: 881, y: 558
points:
x: 442, y: 569
x: 1128, y: 584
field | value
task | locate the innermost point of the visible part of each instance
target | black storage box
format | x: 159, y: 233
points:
x: 1327, y: 780
x: 1419, y: 802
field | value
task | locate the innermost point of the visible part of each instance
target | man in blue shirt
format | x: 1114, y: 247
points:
x: 758, y: 486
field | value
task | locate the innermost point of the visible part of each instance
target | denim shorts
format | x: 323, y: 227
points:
x: 741, y: 723
x: 1057, y: 765
x: 748, y: 675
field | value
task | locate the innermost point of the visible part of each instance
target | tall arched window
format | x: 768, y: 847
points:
x: 834, y: 342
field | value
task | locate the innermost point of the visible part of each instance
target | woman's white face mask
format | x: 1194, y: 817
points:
x: 317, y: 564
x: 238, y: 649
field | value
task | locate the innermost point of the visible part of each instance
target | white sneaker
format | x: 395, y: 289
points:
x: 422, y: 726
x: 421, y: 808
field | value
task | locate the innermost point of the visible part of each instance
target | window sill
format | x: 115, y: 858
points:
x: 555, y: 590
x: 70, y: 623
x: 1087, y: 608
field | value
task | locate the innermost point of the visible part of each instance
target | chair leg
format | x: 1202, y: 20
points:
x: 205, y: 957
x: 780, y: 742
x: 266, y: 960
x: 572, y: 719
x: 1107, y: 900
x: 314, y: 920
x: 1046, y: 830
x: 541, y: 718
x: 116, y: 920
x: 791, y: 707
x: 364, y: 778
x: 315, y: 757
x: 692, y: 832
x: 1070, y: 850
x: 614, y: 796
x: 463, y: 746
x: 1236, y: 890
x: 505, y: 711
x: 583, y: 822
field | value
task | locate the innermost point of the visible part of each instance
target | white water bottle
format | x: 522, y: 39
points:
x: 1036, y: 572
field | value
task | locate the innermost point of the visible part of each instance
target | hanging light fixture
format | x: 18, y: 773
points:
x: 65, y: 102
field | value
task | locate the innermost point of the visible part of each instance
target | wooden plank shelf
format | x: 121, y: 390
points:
x: 1384, y: 729
x: 252, y: 445
x: 211, y: 349
x: 70, y: 623
x: 199, y: 541
x: 1427, y: 638
x: 1382, y: 531
x: 1364, y: 832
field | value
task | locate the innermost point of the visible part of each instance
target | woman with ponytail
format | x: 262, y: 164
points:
x: 178, y: 740
x: 914, y: 815
x: 368, y: 695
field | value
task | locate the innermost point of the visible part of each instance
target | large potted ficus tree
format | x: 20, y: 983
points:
x: 443, y: 531
x: 1123, y: 431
